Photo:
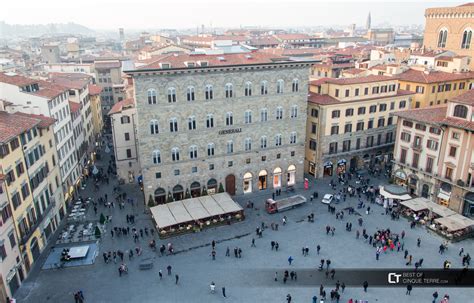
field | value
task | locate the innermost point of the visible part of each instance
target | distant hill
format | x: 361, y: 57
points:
x: 35, y: 30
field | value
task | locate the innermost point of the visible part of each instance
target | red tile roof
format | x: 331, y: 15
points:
x: 94, y: 89
x: 12, y: 125
x: 354, y: 71
x: 458, y: 123
x: 44, y: 121
x: 122, y: 105
x: 432, y: 115
x: 328, y: 100
x: 46, y: 89
x: 292, y: 37
x: 75, y: 107
x: 417, y: 76
x: 465, y: 98
x: 107, y: 64
x: 178, y: 60
x: 71, y: 80
x: 357, y: 80
x: 17, y: 80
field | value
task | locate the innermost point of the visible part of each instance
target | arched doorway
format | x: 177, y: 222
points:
x: 412, y: 184
x: 230, y: 184
x: 262, y: 180
x: 425, y: 191
x: 327, y: 169
x: 277, y: 177
x: 468, y: 208
x: 195, y: 189
x: 160, y: 196
x: 35, y: 250
x: 178, y: 193
x: 341, y: 166
x: 291, y: 177
x: 212, y: 186
x: 400, y: 177
x: 247, y: 183
x: 353, y: 163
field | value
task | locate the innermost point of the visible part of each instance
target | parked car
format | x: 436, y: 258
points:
x: 327, y: 199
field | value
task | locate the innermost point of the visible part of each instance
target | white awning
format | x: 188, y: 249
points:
x: 443, y: 196
x: 388, y: 195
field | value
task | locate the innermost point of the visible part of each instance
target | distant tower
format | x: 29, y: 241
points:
x: 367, y: 24
x: 121, y: 34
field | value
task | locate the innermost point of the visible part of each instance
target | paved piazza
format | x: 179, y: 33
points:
x: 196, y: 269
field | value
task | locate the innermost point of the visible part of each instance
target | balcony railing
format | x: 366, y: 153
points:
x: 416, y: 146
x: 39, y: 218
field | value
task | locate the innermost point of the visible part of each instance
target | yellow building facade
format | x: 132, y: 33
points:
x: 434, y: 87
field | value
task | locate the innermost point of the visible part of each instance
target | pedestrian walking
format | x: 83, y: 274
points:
x: 276, y: 276
x: 318, y: 248
x: 160, y: 273
x: 253, y: 243
x: 343, y: 286
x: 227, y: 252
x: 177, y: 278
x: 365, y: 285
x: 288, y: 298
x: 290, y: 259
x: 169, y: 270
x: 223, y: 292
x: 418, y: 242
x: 435, y: 296
x: 409, y: 288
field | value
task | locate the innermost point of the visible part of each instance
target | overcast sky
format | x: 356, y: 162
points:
x: 142, y: 14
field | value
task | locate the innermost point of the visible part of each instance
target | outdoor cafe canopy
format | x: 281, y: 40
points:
x: 421, y: 203
x: 394, y: 192
x: 455, y: 222
x: 194, y: 209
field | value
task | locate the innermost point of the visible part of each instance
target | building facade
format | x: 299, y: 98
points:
x: 108, y: 73
x: 123, y: 119
x: 349, y: 125
x: 434, y: 153
x: 434, y: 87
x: 215, y: 122
x: 450, y: 28
x: 96, y: 108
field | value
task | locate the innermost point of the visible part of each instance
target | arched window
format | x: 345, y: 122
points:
x: 175, y: 154
x: 151, y: 96
x: 210, y: 121
x: 280, y: 85
x: 460, y: 111
x: 229, y: 119
x: 248, y: 117
x: 292, y: 137
x: 192, y: 123
x: 154, y: 127
x: 263, y: 115
x: 466, y: 39
x: 209, y: 92
x: 171, y: 95
x: 248, y: 89
x: 294, y: 111
x: 190, y: 93
x: 156, y: 157
x: 248, y: 144
x: 263, y: 142
x: 278, y: 140
x: 279, y: 113
x: 210, y: 149
x: 173, y: 125
x: 230, y: 147
x: 193, y: 152
x: 229, y: 90
x: 295, y: 85
x: 442, y: 37
x: 264, y: 88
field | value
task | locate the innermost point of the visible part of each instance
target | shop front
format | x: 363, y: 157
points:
x: 291, y: 180
x: 468, y: 208
x: 400, y: 177
x: 444, y: 194
x: 212, y: 186
x: 195, y: 189
x: 247, y: 185
x: 312, y: 168
x: 327, y: 168
x: 341, y: 166
x: 277, y: 178
x: 262, y: 180
x: 412, y: 184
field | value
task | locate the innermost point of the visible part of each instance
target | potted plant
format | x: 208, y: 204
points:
x: 221, y: 188
x: 102, y: 219
x: 97, y: 232
x: 204, y: 191
x: 151, y: 202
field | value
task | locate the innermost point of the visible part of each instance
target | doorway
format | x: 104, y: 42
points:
x: 262, y: 180
x: 230, y: 184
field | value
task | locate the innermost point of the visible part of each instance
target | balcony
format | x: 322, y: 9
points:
x: 39, y: 218
x: 417, y: 147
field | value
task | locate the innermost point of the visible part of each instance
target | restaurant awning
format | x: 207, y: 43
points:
x: 416, y: 204
x: 389, y: 195
x: 443, y: 196
x: 455, y: 222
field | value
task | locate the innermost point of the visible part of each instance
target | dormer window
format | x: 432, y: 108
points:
x: 165, y: 65
x: 460, y: 111
x: 190, y: 64
x: 203, y: 63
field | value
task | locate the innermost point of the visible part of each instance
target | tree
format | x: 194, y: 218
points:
x: 187, y: 195
x: 102, y: 219
x: 221, y: 188
x: 151, y: 202
x: 97, y: 232
x: 204, y: 191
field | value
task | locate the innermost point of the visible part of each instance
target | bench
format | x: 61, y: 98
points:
x: 146, y: 264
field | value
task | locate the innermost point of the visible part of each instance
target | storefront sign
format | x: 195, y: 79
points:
x: 230, y: 131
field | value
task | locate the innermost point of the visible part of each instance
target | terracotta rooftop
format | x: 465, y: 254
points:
x: 46, y: 89
x: 16, y: 79
x: 357, y: 80
x: 179, y: 60
x: 44, y: 121
x: 122, y: 105
x: 107, y: 64
x: 12, y: 125
x: 70, y: 80
x: 74, y: 107
x: 328, y: 100
x: 354, y: 71
x: 412, y: 75
x: 458, y: 123
x: 292, y: 37
x: 465, y: 98
x: 94, y: 89
x: 433, y: 115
